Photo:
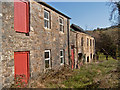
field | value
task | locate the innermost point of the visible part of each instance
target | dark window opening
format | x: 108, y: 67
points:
x: 90, y: 42
x: 79, y: 56
x: 82, y: 41
x: 91, y: 55
x: 88, y: 59
x: 87, y: 42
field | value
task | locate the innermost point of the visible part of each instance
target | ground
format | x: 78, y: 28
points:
x: 100, y: 74
x: 103, y: 74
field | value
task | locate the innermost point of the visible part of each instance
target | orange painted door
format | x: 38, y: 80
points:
x: 21, y: 64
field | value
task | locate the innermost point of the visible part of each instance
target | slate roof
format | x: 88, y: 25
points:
x: 74, y: 27
x: 77, y: 28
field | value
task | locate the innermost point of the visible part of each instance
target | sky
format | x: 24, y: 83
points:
x: 87, y: 15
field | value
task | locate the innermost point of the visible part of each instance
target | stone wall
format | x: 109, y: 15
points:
x: 75, y: 39
x: 0, y: 44
x: 38, y: 40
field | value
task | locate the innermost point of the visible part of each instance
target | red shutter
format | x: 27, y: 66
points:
x: 21, y: 64
x: 21, y: 16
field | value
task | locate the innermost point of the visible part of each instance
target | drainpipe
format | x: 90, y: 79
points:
x: 68, y: 37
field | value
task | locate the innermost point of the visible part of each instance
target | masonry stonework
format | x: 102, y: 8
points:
x: 38, y: 40
x: 83, y: 52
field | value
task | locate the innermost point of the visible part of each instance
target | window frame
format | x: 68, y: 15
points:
x: 45, y: 19
x: 62, y: 57
x: 47, y: 58
x: 61, y: 24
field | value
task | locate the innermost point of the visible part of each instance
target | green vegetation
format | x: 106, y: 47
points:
x: 102, y: 57
x: 107, y: 41
x: 95, y: 75
x: 100, y: 74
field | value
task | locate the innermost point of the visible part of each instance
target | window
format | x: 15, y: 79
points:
x: 90, y: 42
x: 46, y: 19
x: 61, y: 24
x: 93, y: 42
x: 87, y: 58
x: 87, y: 42
x: 91, y: 55
x: 62, y: 56
x: 47, y: 58
x: 82, y: 41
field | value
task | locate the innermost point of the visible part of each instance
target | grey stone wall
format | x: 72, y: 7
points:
x: 75, y: 39
x: 0, y: 44
x: 38, y: 40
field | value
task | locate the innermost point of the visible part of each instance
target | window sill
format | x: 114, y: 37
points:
x: 47, y: 69
x: 47, y: 28
x: 62, y: 64
x: 62, y: 32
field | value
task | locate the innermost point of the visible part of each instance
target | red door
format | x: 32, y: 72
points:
x: 21, y: 62
x: 72, y: 56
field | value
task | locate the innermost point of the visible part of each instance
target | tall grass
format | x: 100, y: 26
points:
x: 90, y: 76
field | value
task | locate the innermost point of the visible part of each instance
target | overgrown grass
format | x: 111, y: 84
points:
x: 93, y: 75
x: 102, y: 57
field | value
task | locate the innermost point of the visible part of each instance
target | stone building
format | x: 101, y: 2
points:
x: 32, y: 41
x: 82, y: 46
x: 39, y: 39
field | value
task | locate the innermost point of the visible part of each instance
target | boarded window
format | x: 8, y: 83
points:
x: 21, y: 16
x: 47, y: 58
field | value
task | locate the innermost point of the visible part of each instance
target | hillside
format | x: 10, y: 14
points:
x: 112, y: 31
x: 107, y: 39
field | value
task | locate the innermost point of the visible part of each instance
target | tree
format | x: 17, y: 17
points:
x: 115, y: 12
x: 115, y: 16
x: 106, y: 45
